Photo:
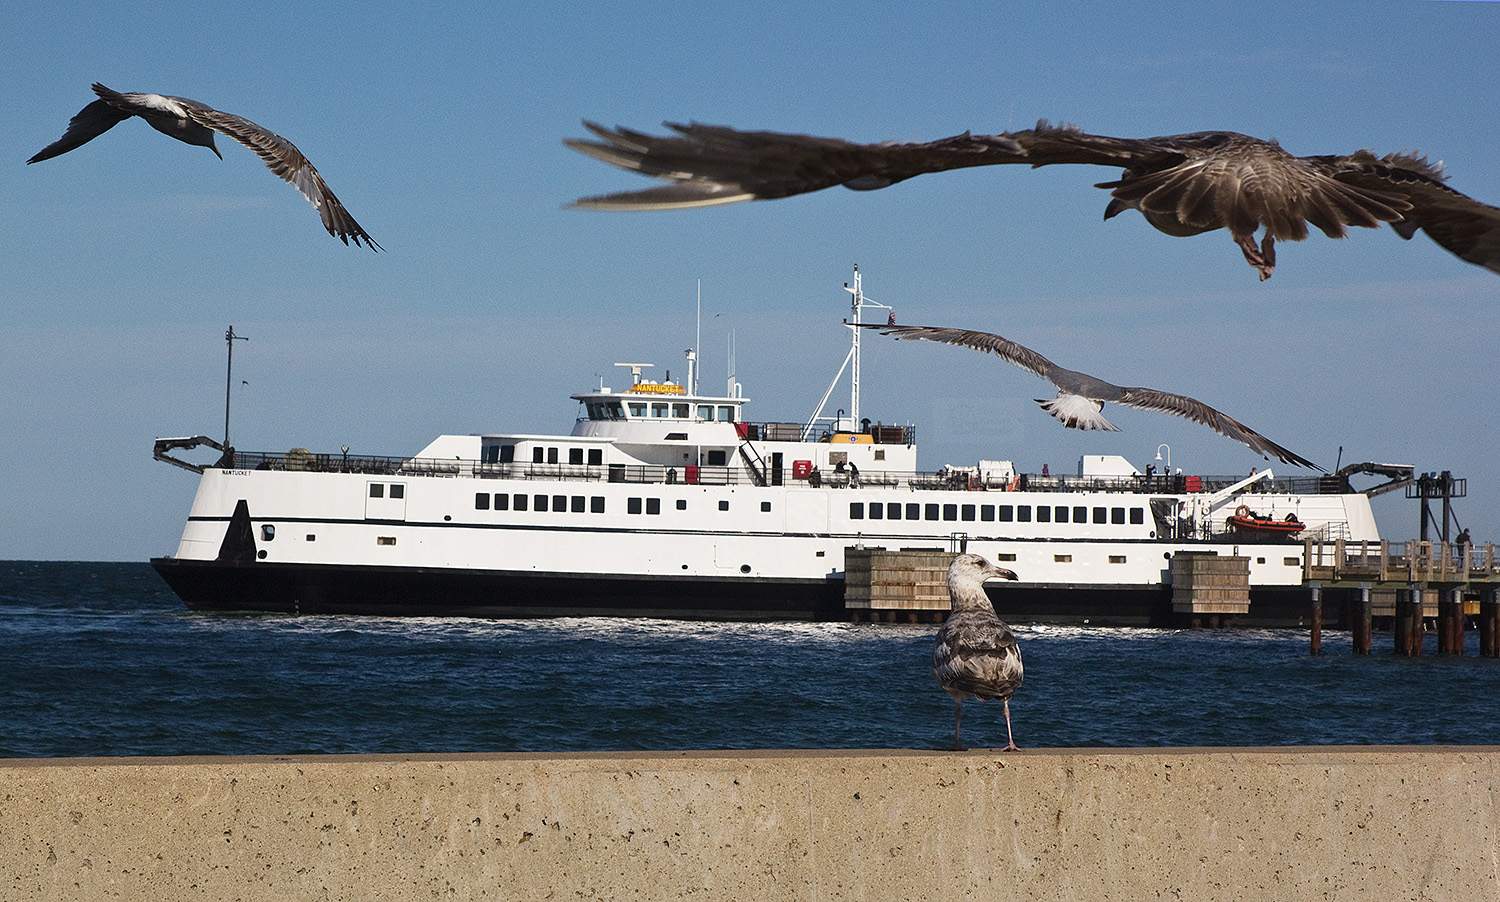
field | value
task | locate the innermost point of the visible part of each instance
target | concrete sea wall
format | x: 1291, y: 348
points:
x: 1196, y: 824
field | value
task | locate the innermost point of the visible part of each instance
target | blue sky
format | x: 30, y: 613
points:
x: 440, y: 130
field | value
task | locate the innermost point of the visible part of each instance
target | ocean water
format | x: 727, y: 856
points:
x: 102, y: 660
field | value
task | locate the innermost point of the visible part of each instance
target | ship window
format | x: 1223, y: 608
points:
x: 539, y: 503
x: 723, y: 505
x: 502, y: 502
x: 507, y: 454
x: 560, y: 503
x: 880, y: 454
x: 520, y: 502
x: 616, y: 412
x: 385, y: 540
x: 1007, y: 513
x: 1137, y: 515
x: 1060, y: 514
x: 717, y: 459
x: 1023, y: 513
x: 726, y: 413
x: 377, y: 490
x: 765, y: 507
x: 1117, y: 559
x: 929, y: 512
x: 1260, y: 560
x: 1290, y: 562
x: 313, y: 538
x: 680, y: 411
x: 551, y: 455
x: 950, y: 512
x: 913, y: 511
x: 966, y: 512
x: 706, y: 412
x: 491, y: 454
x: 637, y: 408
x: 893, y: 511
x: 682, y: 504
x: 575, y: 456
x: 856, y: 510
x: 987, y: 512
x: 398, y: 490
x: 267, y: 531
x: 1005, y: 557
x: 538, y: 454
x: 1080, y: 514
x: 578, y: 502
x: 596, y: 456
x: 1062, y: 558
x: 877, y: 510
x: 653, y: 505
x: 1117, y: 515
x: 632, y: 505
x: 1101, y: 515
x: 659, y: 410
x: 1043, y: 514
x: 481, y: 501
x: 596, y: 504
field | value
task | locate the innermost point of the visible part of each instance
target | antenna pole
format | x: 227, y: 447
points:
x: 229, y: 339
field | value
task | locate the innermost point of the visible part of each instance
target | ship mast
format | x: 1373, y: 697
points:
x: 857, y: 304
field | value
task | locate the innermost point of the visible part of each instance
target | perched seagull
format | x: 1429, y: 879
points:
x: 195, y: 123
x: 1183, y: 184
x: 1080, y: 397
x: 976, y: 652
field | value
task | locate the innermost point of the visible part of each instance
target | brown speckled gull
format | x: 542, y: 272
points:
x: 975, y: 653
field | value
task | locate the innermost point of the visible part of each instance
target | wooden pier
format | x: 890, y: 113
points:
x: 1409, y: 582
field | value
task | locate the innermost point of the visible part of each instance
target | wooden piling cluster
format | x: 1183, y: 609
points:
x: 1423, y: 575
x: 1210, y: 589
x: 907, y: 585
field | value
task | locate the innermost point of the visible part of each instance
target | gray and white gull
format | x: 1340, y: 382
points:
x: 975, y: 654
x: 1182, y: 184
x: 195, y: 123
x: 1080, y: 397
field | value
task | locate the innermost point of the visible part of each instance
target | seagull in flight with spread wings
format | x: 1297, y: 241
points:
x: 195, y: 123
x: 1183, y: 184
x: 1080, y: 397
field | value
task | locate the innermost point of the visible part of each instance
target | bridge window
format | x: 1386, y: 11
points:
x: 706, y: 412
x: 680, y: 411
x: 726, y: 413
x: 637, y: 408
x: 659, y: 409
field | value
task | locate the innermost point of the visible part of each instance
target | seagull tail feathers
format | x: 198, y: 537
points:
x: 1077, y: 412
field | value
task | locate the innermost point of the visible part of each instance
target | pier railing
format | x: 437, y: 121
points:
x: 1406, y: 562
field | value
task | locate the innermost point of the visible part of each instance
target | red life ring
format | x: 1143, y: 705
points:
x: 1243, y: 512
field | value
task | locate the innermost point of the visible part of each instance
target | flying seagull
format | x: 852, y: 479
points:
x: 192, y: 122
x: 975, y: 653
x: 1183, y: 184
x: 1080, y: 397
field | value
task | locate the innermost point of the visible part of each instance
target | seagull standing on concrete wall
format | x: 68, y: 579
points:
x: 975, y: 653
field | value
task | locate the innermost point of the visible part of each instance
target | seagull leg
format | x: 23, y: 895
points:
x: 958, y: 716
x: 1263, y: 257
x: 1011, y: 747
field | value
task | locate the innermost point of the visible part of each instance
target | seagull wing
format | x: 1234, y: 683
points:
x: 1004, y: 348
x: 283, y: 158
x: 1220, y: 422
x: 91, y: 122
x: 1459, y: 223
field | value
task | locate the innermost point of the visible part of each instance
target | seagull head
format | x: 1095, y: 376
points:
x: 971, y: 570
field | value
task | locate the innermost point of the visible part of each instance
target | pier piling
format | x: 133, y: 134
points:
x: 1489, y: 625
x: 1317, y: 617
x: 1363, y: 619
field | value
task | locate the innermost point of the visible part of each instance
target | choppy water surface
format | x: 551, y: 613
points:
x: 102, y: 659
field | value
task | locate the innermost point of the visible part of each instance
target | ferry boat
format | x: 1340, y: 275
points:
x: 664, y: 501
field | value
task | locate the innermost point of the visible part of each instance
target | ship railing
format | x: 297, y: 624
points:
x: 943, y: 480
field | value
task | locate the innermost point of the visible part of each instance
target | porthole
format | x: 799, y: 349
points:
x: 744, y: 568
x: 267, y: 532
x: 261, y: 554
